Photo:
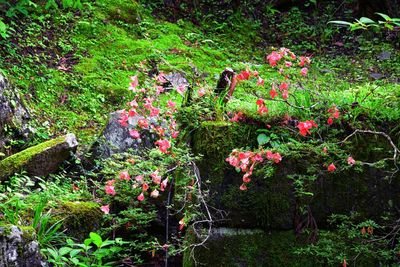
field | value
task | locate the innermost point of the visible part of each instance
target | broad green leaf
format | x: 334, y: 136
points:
x: 366, y: 20
x: 96, y: 239
x: 341, y: 22
x: 262, y: 139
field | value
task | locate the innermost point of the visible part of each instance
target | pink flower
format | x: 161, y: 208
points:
x: 243, y: 187
x: 232, y: 160
x: 163, y: 145
x: 105, y: 209
x: 277, y: 157
x: 110, y: 190
x: 143, y: 123
x: 331, y: 167
x: 139, y: 178
x: 133, y: 104
x: 304, y: 61
x: 171, y: 104
x: 350, y: 161
x: 258, y: 158
x: 304, y: 71
x: 140, y: 197
x: 246, y: 177
x: 284, y: 86
x: 164, y: 184
x: 161, y: 78
x: 325, y: 150
x: 288, y: 64
x: 260, y: 81
x: 123, y: 120
x: 262, y: 110
x: 134, y: 83
x: 154, y: 193
x: 181, y: 89
x: 273, y: 58
x: 237, y: 117
x: 175, y: 134
x: 154, y: 112
x: 155, y: 177
x: 285, y: 94
x: 124, y: 176
x: 244, y: 75
x: 181, y: 224
x: 135, y: 134
x: 201, y: 92
x: 160, y: 89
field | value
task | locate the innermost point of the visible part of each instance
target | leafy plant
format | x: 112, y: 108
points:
x: 365, y: 23
x: 94, y: 251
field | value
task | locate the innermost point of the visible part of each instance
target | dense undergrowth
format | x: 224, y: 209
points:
x: 72, y: 67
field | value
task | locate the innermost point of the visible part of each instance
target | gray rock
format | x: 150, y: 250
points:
x: 385, y: 55
x: 18, y: 247
x: 39, y: 160
x: 14, y: 116
x: 376, y: 76
x: 116, y: 138
x: 174, y: 80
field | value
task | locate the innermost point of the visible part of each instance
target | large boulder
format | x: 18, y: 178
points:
x: 14, y: 115
x: 18, y: 247
x: 115, y: 138
x: 39, y: 160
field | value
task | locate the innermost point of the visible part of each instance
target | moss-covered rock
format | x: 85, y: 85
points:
x: 270, y: 202
x: 79, y: 218
x: 239, y: 247
x: 18, y: 246
x: 39, y: 160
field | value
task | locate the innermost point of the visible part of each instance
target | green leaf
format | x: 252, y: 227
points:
x: 64, y: 250
x: 386, y: 17
x: 341, y: 22
x: 96, y: 239
x: 262, y: 139
x: 366, y: 20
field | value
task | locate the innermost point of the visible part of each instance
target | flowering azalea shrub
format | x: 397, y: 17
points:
x: 142, y: 185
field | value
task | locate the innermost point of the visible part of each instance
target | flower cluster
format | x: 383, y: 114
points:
x: 333, y: 114
x: 305, y: 126
x: 145, y: 114
x: 246, y: 161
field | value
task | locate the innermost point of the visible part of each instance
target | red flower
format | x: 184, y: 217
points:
x: 244, y: 75
x: 273, y: 58
x: 145, y: 187
x: 305, y: 127
x: 260, y: 102
x: 284, y: 86
x: 331, y: 167
x: 273, y: 93
x: 329, y: 121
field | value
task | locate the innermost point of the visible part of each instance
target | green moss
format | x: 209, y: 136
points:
x: 248, y: 248
x: 79, y: 218
x: 28, y: 232
x: 16, y: 162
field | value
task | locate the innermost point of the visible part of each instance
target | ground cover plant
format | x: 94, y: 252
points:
x: 283, y: 109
